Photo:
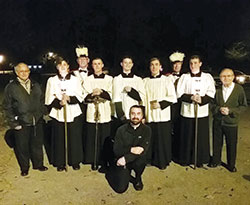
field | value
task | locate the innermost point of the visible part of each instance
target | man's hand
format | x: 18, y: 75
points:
x: 121, y: 162
x: 155, y: 105
x: 127, y: 89
x: 224, y: 110
x: 18, y: 127
x: 196, y: 98
x: 96, y: 92
x: 65, y: 99
x: 136, y: 150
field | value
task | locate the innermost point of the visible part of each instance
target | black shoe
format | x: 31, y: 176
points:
x: 42, y: 168
x: 102, y: 169
x: 61, y: 168
x: 138, y: 185
x: 94, y: 167
x: 199, y: 165
x: 212, y: 165
x: 76, y: 167
x: 162, y: 168
x: 24, y: 173
x: 232, y: 169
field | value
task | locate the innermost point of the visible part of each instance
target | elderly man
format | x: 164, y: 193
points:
x: 194, y: 90
x: 23, y: 107
x: 130, y: 148
x: 230, y: 101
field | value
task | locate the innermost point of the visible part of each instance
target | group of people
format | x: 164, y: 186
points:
x: 124, y: 123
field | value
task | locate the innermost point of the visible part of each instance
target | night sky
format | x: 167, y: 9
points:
x: 217, y: 30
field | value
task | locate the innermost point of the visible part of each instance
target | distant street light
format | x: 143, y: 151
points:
x: 50, y: 54
x: 1, y: 58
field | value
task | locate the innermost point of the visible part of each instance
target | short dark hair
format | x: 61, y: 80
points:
x: 138, y: 106
x: 59, y: 60
x: 126, y: 56
x: 196, y: 57
x: 154, y: 59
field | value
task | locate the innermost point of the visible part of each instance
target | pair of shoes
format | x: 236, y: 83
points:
x: 61, y: 168
x: 138, y: 185
x: 232, y: 169
x: 24, y: 173
x: 102, y: 169
x: 212, y: 165
x: 76, y: 166
x: 42, y: 168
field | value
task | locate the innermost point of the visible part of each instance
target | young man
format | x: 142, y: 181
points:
x: 130, y: 148
x: 176, y: 59
x: 194, y: 90
x: 97, y: 92
x: 24, y: 109
x: 160, y: 94
x: 83, y: 61
x: 128, y: 90
x: 63, y: 96
x: 230, y: 101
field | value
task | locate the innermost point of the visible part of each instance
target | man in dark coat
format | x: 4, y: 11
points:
x: 230, y: 101
x: 130, y: 148
x: 23, y: 107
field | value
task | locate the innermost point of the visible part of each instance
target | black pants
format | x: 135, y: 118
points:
x: 103, y: 131
x: 28, y: 146
x: 74, y: 142
x: 230, y: 134
x: 119, y: 177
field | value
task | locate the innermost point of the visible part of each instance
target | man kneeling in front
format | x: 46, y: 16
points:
x: 130, y: 147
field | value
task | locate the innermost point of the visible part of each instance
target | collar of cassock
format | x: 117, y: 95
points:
x: 67, y: 77
x: 130, y: 75
x: 99, y: 76
x: 176, y: 74
x: 81, y: 70
x: 196, y: 75
x: 158, y: 76
x: 131, y: 129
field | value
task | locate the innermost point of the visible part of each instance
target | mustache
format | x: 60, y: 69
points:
x: 135, y: 118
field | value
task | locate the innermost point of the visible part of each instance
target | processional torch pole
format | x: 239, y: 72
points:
x: 97, y: 100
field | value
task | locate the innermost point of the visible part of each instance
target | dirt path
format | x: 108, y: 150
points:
x: 175, y: 185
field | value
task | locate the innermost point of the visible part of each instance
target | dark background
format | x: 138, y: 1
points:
x: 219, y: 30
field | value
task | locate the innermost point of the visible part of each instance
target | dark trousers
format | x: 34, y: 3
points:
x: 28, y: 146
x: 231, y: 135
x: 119, y: 177
x: 93, y: 148
x: 74, y: 142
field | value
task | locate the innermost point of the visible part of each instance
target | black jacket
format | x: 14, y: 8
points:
x: 127, y: 137
x: 21, y: 108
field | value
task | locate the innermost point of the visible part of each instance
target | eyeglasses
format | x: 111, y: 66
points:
x: 23, y: 71
x: 226, y: 76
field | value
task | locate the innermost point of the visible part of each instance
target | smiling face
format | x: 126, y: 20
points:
x: 155, y: 67
x: 227, y: 77
x: 63, y: 68
x: 83, y: 61
x: 136, y: 115
x: 97, y: 65
x: 22, y: 71
x: 177, y: 66
x: 195, y: 65
x: 127, y: 65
